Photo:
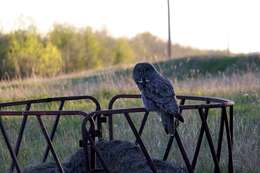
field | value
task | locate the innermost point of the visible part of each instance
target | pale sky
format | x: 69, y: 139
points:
x: 205, y: 24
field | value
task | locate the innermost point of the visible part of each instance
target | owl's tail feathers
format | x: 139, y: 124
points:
x: 171, y: 126
x: 179, y: 117
x: 168, y: 123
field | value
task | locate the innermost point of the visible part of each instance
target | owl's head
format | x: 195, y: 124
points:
x: 143, y: 72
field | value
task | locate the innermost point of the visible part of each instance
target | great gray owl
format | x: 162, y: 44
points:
x: 157, y: 95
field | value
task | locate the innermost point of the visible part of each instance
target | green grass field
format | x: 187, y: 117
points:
x: 236, y: 78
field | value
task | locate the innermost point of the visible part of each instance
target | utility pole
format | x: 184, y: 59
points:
x: 169, y: 32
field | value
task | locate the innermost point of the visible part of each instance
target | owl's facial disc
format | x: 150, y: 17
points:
x: 143, y: 73
x: 148, y: 72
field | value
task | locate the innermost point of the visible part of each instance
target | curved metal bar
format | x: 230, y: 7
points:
x: 28, y: 104
x: 48, y: 140
x: 170, y: 142
x: 216, y: 102
x: 210, y: 141
x: 107, y: 112
x: 38, y: 114
x: 210, y: 102
x: 196, y: 154
x: 20, y: 136
x: 183, y: 152
x: 141, y: 144
x: 42, y: 113
x: 206, y: 98
x: 186, y: 97
x: 9, y: 146
x: 140, y: 131
x: 89, y: 138
x: 231, y: 112
x: 53, y: 99
x: 98, y: 114
x: 54, y: 127
x: 229, y: 141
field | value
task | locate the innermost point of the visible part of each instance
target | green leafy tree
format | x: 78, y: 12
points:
x: 3, y: 56
x: 49, y: 62
x: 63, y: 37
x: 80, y: 48
x: 122, y: 51
x: 24, y: 49
x: 148, y: 46
x: 28, y: 55
x: 90, y: 49
x: 107, y: 44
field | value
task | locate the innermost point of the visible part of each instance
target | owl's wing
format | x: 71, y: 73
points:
x: 161, y: 92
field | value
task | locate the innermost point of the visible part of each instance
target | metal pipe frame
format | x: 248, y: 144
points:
x: 203, y: 109
x: 95, y: 119
x: 24, y: 114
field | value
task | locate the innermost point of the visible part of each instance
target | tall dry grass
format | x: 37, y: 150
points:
x: 77, y: 85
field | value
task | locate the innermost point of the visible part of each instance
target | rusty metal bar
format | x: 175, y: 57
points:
x: 9, y: 146
x: 92, y: 152
x: 140, y: 142
x: 186, y: 97
x: 20, y: 136
x: 143, y: 124
x: 206, y: 98
x: 38, y: 114
x: 169, y: 145
x: 210, y: 141
x: 54, y: 128
x: 215, y: 103
x: 42, y: 113
x: 168, y: 148
x: 229, y: 141
x: 182, y: 107
x: 45, y: 100
x: 110, y: 107
x: 100, y: 119
x: 231, y: 112
x: 183, y: 152
x: 88, y: 139
x: 196, y: 154
x: 211, y: 102
x: 110, y: 128
x: 47, y: 137
x: 220, y: 137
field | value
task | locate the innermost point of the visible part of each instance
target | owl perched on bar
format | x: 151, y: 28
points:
x: 158, y: 95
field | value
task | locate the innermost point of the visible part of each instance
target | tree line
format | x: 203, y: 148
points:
x: 65, y: 49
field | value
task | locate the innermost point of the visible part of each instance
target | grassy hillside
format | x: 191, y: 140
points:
x: 236, y: 78
x: 180, y: 71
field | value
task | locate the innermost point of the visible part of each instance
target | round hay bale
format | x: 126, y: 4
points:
x: 119, y: 156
